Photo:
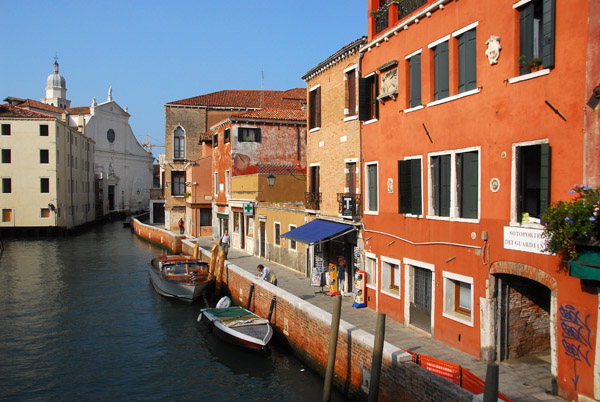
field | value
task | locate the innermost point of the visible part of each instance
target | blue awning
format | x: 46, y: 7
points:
x: 317, y: 230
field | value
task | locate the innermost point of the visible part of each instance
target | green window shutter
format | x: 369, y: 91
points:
x: 544, y: 177
x: 415, y: 80
x: 441, y: 71
x: 415, y: 183
x: 374, y: 101
x: 469, y: 184
x: 526, y: 35
x: 548, y: 32
x: 520, y: 163
x: 445, y: 185
x: 240, y: 134
x: 372, y: 187
x: 467, y: 61
x: 257, y: 135
x: 364, y: 101
x: 404, y: 187
x: 462, y: 63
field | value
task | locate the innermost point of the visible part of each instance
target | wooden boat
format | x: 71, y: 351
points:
x: 179, y: 276
x: 238, y: 326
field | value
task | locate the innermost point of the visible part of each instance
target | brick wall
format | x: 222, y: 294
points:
x: 306, y: 329
x: 158, y: 236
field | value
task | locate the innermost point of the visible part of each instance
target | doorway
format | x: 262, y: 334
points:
x: 263, y: 239
x: 111, y: 198
x: 421, y: 300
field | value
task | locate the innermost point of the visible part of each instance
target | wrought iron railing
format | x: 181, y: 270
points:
x: 356, y: 200
x: 406, y: 7
x: 312, y: 201
x: 381, y: 20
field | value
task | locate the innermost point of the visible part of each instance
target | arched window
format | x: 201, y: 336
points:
x: 178, y: 143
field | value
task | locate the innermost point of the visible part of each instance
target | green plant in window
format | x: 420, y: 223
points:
x: 568, y: 224
x: 186, y: 194
x: 530, y: 62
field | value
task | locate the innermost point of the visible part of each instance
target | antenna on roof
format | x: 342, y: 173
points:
x: 262, y: 92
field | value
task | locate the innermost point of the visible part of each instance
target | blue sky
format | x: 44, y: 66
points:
x: 153, y: 52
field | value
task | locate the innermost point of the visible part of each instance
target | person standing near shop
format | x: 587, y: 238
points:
x: 225, y: 242
x: 266, y: 274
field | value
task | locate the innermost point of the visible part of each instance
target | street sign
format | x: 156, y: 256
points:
x: 348, y: 206
x: 249, y: 209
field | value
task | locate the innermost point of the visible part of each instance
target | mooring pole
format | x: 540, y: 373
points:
x: 377, y: 358
x: 333, y: 335
x: 273, y: 301
x: 250, y: 296
x: 490, y: 390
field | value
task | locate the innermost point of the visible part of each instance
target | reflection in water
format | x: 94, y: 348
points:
x: 79, y: 320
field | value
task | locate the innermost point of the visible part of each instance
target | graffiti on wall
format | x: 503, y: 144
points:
x: 575, y: 337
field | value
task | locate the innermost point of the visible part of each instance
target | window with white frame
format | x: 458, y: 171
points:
x: 292, y: 242
x: 314, y: 108
x: 532, y: 186
x: 44, y: 212
x: 227, y: 183
x: 410, y: 186
x: 249, y: 134
x: 351, y: 108
x: 441, y: 69
x: 458, y: 297
x: 6, y: 215
x: 368, y: 91
x: 178, y: 143
x: 414, y: 87
x: 177, y: 183
x: 216, y: 184
x: 371, y: 269
x: 372, y: 177
x: 536, y: 34
x: 454, y: 184
x: 390, y: 275
x: 277, y: 231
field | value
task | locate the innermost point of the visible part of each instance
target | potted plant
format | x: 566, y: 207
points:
x: 571, y: 225
x: 531, y: 63
x: 186, y: 194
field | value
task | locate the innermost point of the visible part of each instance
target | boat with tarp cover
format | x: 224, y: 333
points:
x: 238, y: 326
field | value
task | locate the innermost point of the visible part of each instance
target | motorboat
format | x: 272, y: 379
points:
x: 238, y: 326
x: 179, y: 276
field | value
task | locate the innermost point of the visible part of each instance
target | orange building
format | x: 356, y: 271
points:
x: 474, y: 119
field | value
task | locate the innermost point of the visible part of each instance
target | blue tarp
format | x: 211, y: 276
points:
x: 316, y: 230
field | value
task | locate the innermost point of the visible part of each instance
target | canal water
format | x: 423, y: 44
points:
x: 79, y: 320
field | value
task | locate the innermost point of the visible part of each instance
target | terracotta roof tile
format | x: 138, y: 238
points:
x: 27, y: 103
x: 16, y: 112
x: 79, y: 110
x: 272, y: 114
x: 251, y: 99
x: 280, y: 169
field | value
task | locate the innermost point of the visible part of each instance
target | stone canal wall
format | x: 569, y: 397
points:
x: 158, y: 236
x: 306, y: 329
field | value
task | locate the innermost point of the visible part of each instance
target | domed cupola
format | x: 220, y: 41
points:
x: 56, y: 89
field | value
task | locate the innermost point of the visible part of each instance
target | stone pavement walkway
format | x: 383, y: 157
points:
x: 522, y: 380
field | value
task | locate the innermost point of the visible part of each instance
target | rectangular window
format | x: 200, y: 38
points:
x: 415, y: 81
x: 216, y: 183
x: 314, y: 108
x: 277, y: 236
x: 247, y: 134
x: 458, y: 297
x: 44, y: 156
x: 6, y: 215
x: 6, y: 129
x: 6, y: 185
x: 371, y: 270
x: 44, y: 185
x: 533, y: 182
x: 227, y: 183
x: 227, y: 136
x: 45, y: 213
x: 441, y: 69
x: 390, y: 276
x: 177, y: 183
x: 368, y: 105
x: 292, y: 242
x: 237, y: 217
x: 467, y: 61
x: 6, y: 156
x: 216, y: 140
x: 350, y: 79
x: 43, y: 130
x: 461, y: 168
x: 536, y: 34
x: 409, y: 187
x: 205, y: 217
x: 350, y: 178
x: 179, y: 146
x: 372, y: 188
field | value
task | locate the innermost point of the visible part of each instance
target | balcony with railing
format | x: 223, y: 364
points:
x: 349, y: 204
x: 312, y: 201
x: 406, y: 7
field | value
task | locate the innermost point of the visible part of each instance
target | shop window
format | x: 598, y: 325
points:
x: 351, y: 106
x: 292, y: 243
x: 368, y: 105
x: 314, y: 108
x: 532, y: 181
x: 390, y: 276
x: 44, y: 185
x: 409, y: 187
x: 6, y: 156
x: 6, y: 129
x: 277, y: 231
x: 371, y: 269
x: 6, y: 215
x: 536, y: 34
x: 236, y: 222
x: 177, y: 183
x: 43, y: 130
x: 178, y: 143
x: 458, y: 297
x: 415, y: 81
x: 467, y: 61
x: 372, y: 188
x: 250, y: 226
x: 247, y: 134
x: 441, y: 69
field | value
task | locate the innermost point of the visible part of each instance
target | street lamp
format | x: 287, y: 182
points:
x: 271, y: 180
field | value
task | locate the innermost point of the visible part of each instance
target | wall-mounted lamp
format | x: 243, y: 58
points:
x: 271, y: 180
x: 52, y: 207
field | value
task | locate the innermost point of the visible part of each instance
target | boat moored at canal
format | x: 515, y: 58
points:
x: 179, y: 276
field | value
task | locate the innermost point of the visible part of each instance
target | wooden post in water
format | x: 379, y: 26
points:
x: 196, y: 251
x: 213, y: 259
x: 333, y: 336
x: 250, y: 293
x: 377, y: 358
x: 220, y: 271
